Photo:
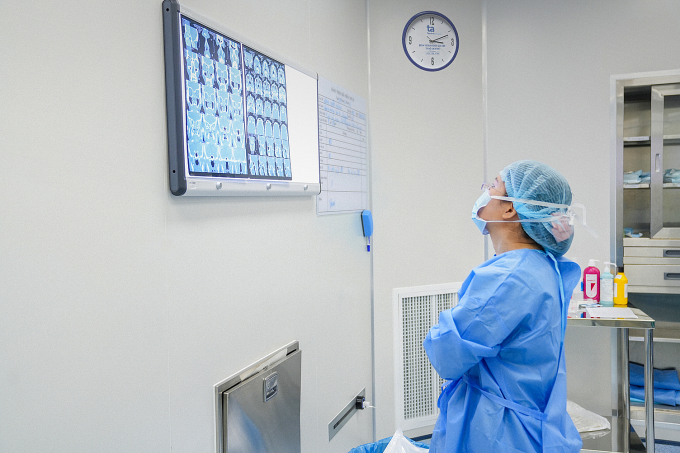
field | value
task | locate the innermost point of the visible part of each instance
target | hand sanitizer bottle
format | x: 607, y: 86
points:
x: 591, y: 282
x: 607, y: 287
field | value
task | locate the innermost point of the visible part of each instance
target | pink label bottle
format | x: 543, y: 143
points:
x: 591, y: 282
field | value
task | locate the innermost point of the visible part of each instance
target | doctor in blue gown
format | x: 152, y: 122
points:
x: 501, y: 349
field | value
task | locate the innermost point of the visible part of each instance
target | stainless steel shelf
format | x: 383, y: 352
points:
x: 642, y: 322
x: 662, y: 413
x: 645, y: 140
x: 622, y: 438
x: 666, y: 420
x: 645, y: 185
x: 664, y: 332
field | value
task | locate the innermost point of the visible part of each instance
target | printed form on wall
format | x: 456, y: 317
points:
x: 343, y: 150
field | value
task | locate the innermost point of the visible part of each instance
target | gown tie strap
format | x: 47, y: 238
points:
x: 538, y: 415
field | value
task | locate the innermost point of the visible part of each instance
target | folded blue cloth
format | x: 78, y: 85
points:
x: 672, y: 175
x: 663, y: 379
x: 632, y: 177
x: 661, y: 396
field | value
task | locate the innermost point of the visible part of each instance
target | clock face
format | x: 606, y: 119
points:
x: 430, y: 41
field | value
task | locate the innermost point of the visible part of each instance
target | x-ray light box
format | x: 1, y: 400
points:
x: 241, y: 121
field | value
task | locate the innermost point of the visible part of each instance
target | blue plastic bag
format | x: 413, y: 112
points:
x: 381, y: 445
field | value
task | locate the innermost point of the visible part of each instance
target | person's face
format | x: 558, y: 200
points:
x: 496, y: 208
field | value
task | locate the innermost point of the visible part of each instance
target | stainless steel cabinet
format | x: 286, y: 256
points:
x: 646, y: 195
x: 645, y: 145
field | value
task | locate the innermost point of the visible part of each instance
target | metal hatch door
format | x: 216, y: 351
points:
x: 261, y: 414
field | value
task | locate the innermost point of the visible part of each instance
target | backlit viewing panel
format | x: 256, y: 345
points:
x: 235, y: 108
x: 266, y: 109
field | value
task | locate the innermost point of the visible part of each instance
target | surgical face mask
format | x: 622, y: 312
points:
x: 482, y: 201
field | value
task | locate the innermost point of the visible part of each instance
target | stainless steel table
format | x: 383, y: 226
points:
x: 622, y: 438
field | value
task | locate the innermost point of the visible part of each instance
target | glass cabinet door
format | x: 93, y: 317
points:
x: 665, y: 161
x: 636, y: 152
x: 651, y: 161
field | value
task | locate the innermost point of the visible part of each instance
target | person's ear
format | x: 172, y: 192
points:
x: 509, y: 212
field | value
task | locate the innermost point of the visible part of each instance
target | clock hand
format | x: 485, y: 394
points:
x: 437, y: 40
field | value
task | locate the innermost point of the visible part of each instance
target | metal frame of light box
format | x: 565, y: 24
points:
x: 176, y: 121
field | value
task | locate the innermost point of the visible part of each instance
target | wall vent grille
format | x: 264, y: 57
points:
x: 417, y: 385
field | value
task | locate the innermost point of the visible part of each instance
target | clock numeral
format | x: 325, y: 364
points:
x: 431, y: 20
x: 432, y: 61
x: 452, y: 42
x: 410, y: 40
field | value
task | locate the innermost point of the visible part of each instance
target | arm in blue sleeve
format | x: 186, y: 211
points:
x: 452, y: 355
x: 487, y: 314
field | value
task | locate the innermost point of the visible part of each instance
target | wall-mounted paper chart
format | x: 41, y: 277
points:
x: 343, y: 150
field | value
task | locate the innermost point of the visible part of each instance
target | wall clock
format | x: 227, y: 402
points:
x: 430, y: 41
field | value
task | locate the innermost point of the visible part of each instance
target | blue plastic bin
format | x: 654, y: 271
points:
x: 381, y: 445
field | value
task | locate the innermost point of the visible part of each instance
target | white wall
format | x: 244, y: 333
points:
x: 549, y: 68
x: 426, y: 141
x: 120, y: 305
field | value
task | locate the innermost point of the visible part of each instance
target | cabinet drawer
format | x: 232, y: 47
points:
x: 652, y: 274
x: 650, y: 260
x: 647, y: 242
x: 652, y: 252
x: 654, y: 289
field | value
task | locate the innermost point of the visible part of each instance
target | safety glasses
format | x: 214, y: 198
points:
x: 492, y: 185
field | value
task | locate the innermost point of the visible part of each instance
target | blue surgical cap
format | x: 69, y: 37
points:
x: 531, y: 180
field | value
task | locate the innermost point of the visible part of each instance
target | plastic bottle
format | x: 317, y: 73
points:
x: 620, y: 290
x: 607, y: 286
x: 591, y: 282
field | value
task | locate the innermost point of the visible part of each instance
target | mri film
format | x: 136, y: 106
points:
x: 265, y: 91
x: 214, y: 110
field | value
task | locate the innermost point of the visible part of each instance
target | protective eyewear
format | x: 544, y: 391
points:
x: 491, y: 185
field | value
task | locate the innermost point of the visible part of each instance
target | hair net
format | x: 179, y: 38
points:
x: 531, y: 180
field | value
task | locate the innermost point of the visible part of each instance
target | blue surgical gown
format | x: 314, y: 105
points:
x: 501, y: 351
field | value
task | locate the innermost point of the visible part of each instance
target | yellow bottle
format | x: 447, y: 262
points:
x: 620, y: 290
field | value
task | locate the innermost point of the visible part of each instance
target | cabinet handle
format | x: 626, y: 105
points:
x: 658, y: 163
x: 671, y: 253
x: 671, y: 276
